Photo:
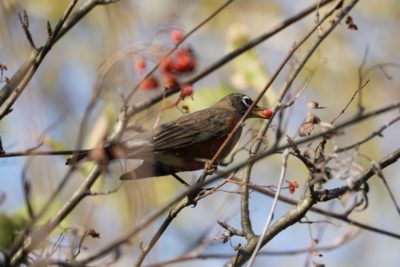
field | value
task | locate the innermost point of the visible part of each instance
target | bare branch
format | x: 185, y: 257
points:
x: 334, y: 244
x: 374, y: 134
x: 341, y: 217
x: 171, y: 215
x: 18, y: 82
x: 39, y: 235
x: 272, y: 210
x: 327, y: 195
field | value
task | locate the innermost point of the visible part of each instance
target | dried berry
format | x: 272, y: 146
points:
x: 350, y: 23
x: 307, y: 128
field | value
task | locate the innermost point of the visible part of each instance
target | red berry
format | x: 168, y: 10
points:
x: 186, y: 90
x: 176, y: 36
x: 184, y: 62
x: 267, y: 113
x: 149, y: 84
x: 140, y: 64
x: 292, y: 185
x: 166, y: 65
x: 170, y: 81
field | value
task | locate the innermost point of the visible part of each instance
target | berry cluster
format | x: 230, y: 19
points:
x: 292, y: 186
x: 182, y: 61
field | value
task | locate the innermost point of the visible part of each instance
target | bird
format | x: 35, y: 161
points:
x: 184, y: 144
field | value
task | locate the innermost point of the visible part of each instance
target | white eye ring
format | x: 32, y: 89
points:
x: 247, y: 101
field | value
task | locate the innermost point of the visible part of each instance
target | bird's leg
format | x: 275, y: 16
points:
x: 210, y: 167
x: 192, y: 196
x: 179, y: 179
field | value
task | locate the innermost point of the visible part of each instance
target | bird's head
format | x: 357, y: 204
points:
x: 240, y: 103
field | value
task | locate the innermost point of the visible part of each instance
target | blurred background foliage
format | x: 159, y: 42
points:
x: 62, y: 87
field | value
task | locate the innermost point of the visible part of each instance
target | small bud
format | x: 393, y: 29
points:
x: 314, y: 105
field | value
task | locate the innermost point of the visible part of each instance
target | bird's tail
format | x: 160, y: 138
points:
x: 78, y: 158
x: 146, y: 170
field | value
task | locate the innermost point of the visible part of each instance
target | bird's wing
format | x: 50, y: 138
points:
x: 188, y: 129
x: 192, y: 128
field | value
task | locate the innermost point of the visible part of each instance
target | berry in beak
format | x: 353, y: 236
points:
x: 263, y: 113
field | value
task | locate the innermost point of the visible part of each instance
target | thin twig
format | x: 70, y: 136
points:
x: 194, y: 255
x: 374, y: 134
x: 379, y: 173
x: 38, y: 236
x: 361, y: 81
x: 350, y: 101
x: 171, y: 215
x: 329, y: 194
x: 272, y: 209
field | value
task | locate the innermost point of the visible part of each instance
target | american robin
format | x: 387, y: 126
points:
x: 184, y: 144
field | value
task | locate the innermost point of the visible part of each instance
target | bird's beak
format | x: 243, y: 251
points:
x: 263, y: 113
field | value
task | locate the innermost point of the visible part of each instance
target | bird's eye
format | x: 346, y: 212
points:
x: 247, y: 101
